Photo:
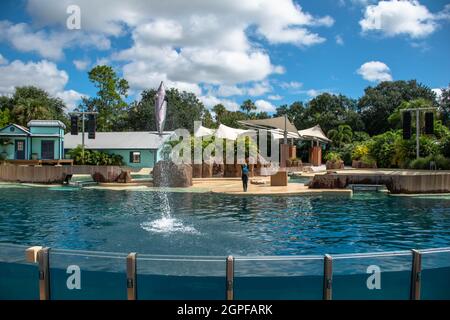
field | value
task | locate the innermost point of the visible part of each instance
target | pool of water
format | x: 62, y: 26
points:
x: 183, y: 223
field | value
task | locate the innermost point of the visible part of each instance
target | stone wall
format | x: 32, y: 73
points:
x: 56, y: 174
x: 396, y: 183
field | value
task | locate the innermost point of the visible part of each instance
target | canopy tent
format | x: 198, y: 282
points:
x: 280, y: 125
x: 223, y: 132
x: 203, y: 132
x: 229, y: 133
x: 315, y: 133
x: 277, y: 135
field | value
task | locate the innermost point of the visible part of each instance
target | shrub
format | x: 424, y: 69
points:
x: 93, y: 157
x: 441, y: 162
x: 359, y: 151
x: 333, y: 156
x: 381, y: 148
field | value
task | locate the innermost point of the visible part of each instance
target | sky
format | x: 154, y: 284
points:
x: 273, y: 52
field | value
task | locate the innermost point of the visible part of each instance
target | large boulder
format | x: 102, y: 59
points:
x: 169, y: 174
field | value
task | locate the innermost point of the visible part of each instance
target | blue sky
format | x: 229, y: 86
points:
x: 273, y: 52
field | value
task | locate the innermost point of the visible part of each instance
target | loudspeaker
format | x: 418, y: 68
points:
x: 92, y: 126
x: 429, y: 123
x: 407, y: 132
x: 74, y: 125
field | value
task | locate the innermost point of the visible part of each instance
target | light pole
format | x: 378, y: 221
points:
x: 418, y: 111
x: 82, y: 114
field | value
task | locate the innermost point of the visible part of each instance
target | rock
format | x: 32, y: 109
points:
x: 328, y: 181
x: 98, y: 177
x: 124, y: 177
x: 169, y: 174
x: 218, y: 170
x: 330, y: 165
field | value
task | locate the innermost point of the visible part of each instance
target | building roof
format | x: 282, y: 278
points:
x: 46, y: 123
x: 119, y: 140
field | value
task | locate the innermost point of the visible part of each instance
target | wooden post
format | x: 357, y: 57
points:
x: 131, y: 276
x: 416, y: 275
x: 44, y: 274
x: 230, y: 278
x: 327, y: 277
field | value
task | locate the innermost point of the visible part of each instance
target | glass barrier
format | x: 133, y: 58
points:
x: 180, y: 278
x: 289, y: 278
x: 87, y: 275
x: 19, y: 279
x: 435, y: 275
x: 384, y: 275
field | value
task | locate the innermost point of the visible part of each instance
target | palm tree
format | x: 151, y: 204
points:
x: 342, y: 135
x: 30, y: 109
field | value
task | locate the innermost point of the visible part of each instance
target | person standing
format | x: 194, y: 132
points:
x: 245, y: 173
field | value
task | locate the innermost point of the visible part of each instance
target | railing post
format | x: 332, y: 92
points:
x: 416, y: 275
x: 31, y: 254
x: 327, y: 277
x: 44, y: 274
x: 230, y: 278
x: 131, y: 276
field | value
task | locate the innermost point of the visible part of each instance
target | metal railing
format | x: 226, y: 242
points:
x: 41, y: 257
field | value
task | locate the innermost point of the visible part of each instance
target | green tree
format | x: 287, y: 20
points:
x: 183, y: 108
x: 444, y: 105
x: 379, y: 102
x: 329, y: 111
x: 109, y: 102
x: 248, y: 106
x: 32, y: 103
x: 343, y: 134
x: 5, y: 118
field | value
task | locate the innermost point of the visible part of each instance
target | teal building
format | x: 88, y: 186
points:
x: 139, y: 149
x: 41, y: 140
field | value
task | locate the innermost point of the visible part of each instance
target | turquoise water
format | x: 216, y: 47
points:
x: 215, y: 225
x: 207, y: 224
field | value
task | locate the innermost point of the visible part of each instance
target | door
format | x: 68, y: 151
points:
x: 20, y: 149
x: 47, y: 149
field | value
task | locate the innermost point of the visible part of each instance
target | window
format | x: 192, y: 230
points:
x: 135, y: 157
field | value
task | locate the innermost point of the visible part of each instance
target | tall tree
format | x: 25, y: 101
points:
x: 183, y: 108
x: 109, y: 102
x: 379, y: 102
x: 444, y: 105
x: 32, y: 103
x: 343, y: 134
x: 248, y: 106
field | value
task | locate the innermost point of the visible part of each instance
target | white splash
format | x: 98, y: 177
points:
x: 167, y: 225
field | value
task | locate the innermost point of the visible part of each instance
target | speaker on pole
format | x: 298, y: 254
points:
x: 429, y: 123
x: 407, y: 132
x: 92, y: 126
x: 74, y: 125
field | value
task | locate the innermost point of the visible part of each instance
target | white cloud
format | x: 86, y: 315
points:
x: 258, y: 89
x: 291, y: 85
x: 42, y: 74
x: 438, y: 92
x: 339, y: 40
x: 192, y: 42
x: 375, y: 71
x: 275, y: 97
x: 48, y: 44
x: 227, y: 91
x: 3, y: 60
x: 70, y: 97
x: 263, y: 105
x: 407, y: 17
x: 210, y: 101
x: 82, y: 64
x: 312, y: 93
